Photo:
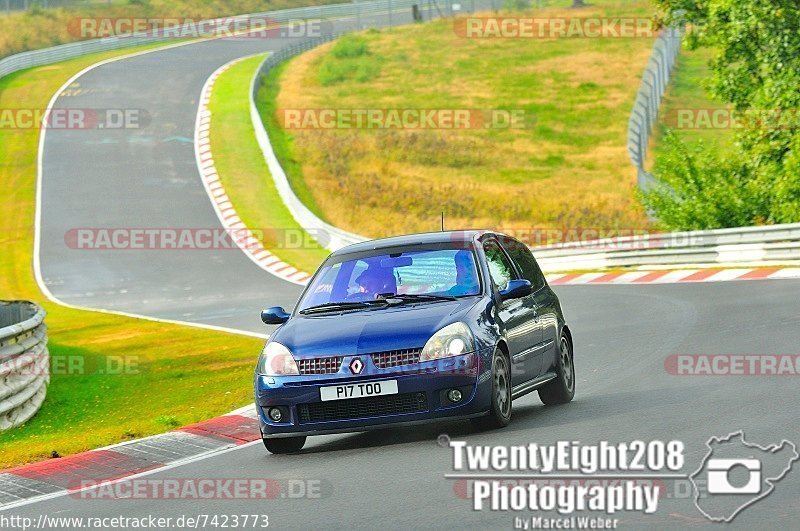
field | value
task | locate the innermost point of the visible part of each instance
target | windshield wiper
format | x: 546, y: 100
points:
x: 339, y: 306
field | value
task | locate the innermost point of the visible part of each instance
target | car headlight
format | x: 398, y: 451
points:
x: 276, y: 360
x: 452, y: 340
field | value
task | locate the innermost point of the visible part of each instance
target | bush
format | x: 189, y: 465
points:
x: 756, y: 67
x: 698, y: 189
x: 350, y: 46
x: 350, y: 58
x: 516, y: 5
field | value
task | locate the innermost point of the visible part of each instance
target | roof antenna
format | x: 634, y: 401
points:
x: 442, y: 220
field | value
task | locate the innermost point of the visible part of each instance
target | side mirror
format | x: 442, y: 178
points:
x: 516, y: 289
x: 274, y: 316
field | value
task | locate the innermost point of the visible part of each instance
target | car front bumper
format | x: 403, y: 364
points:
x: 421, y: 397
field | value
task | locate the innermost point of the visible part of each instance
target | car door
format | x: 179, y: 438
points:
x: 541, y: 302
x: 517, y: 315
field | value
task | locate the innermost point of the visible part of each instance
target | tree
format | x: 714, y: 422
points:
x: 756, y: 68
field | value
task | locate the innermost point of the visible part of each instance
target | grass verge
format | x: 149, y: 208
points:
x: 567, y: 168
x: 244, y: 173
x: 175, y: 375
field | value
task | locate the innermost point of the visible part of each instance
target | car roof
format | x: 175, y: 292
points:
x: 413, y: 239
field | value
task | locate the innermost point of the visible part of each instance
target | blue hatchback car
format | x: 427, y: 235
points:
x: 413, y: 329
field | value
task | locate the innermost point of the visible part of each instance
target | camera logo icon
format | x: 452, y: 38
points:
x: 720, y: 471
x: 735, y: 474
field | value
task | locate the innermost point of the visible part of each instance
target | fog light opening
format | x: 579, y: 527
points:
x: 454, y: 395
x: 275, y: 414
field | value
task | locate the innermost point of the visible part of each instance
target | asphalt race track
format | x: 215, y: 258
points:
x: 393, y: 478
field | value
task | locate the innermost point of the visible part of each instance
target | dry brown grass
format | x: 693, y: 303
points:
x: 570, y: 169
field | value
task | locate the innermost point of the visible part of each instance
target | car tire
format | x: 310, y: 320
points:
x: 561, y: 389
x: 284, y: 445
x: 500, y: 412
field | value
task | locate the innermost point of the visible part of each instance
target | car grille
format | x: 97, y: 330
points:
x: 329, y: 365
x: 395, y: 358
x: 357, y: 408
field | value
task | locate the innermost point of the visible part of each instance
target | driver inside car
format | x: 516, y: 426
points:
x: 466, y: 278
x: 374, y: 281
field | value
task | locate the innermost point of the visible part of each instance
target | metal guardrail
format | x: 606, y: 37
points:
x: 45, y: 56
x: 24, y: 362
x: 643, y: 117
x: 770, y: 244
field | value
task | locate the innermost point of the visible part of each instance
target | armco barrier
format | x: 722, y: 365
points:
x: 762, y: 245
x: 655, y: 80
x: 24, y: 362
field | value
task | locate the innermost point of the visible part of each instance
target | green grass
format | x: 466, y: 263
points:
x: 687, y: 92
x: 245, y: 175
x: 567, y: 168
x: 184, y: 374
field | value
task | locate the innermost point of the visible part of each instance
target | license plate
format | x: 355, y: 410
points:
x: 358, y: 390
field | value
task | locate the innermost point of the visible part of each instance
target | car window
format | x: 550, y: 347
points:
x: 451, y: 272
x: 500, y: 269
x: 520, y: 253
x: 323, y: 287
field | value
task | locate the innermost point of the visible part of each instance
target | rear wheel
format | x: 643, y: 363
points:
x: 561, y: 389
x: 284, y: 445
x: 500, y: 413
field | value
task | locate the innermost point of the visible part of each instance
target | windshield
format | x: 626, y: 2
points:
x: 445, y: 272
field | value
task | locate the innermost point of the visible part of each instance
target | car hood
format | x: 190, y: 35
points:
x: 366, y: 331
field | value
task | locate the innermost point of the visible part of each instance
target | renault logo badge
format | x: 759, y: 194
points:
x: 356, y: 366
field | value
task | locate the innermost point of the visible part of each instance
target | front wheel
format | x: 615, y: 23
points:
x: 284, y: 445
x: 500, y: 413
x: 561, y: 389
